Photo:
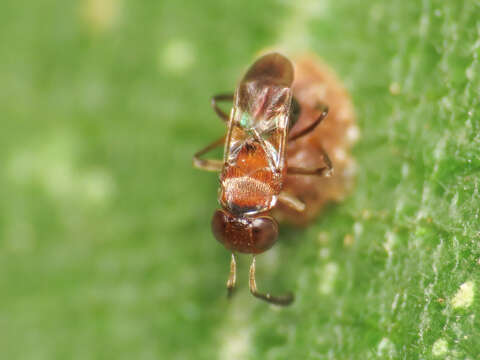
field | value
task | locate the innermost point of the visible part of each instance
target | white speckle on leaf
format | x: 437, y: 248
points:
x: 53, y: 166
x: 453, y: 206
x: 399, y: 205
x: 358, y: 229
x: 456, y: 245
x: 101, y: 15
x: 348, y: 240
x: 440, y: 149
x: 49, y: 165
x: 323, y: 238
x: 405, y: 170
x: 446, y: 103
x: 424, y: 24
x: 324, y: 253
x: 464, y: 296
x: 440, y: 347
x: 59, y: 178
x: 236, y: 345
x: 98, y: 186
x: 366, y: 214
x: 328, y: 277
x: 404, y: 298
x: 235, y: 336
x: 421, y: 214
x: 177, y: 56
x: 395, y: 301
x: 394, y: 88
x: 389, y: 243
x: 470, y: 72
x: 386, y: 348
x: 426, y: 195
x: 376, y: 12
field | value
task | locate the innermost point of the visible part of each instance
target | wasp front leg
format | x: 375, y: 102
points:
x: 213, y: 164
x: 220, y: 112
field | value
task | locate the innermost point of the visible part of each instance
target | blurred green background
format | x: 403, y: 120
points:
x: 105, y: 243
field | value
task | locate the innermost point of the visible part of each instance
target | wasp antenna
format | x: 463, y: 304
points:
x: 282, y: 300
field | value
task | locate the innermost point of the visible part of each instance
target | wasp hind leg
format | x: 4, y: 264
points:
x: 282, y: 300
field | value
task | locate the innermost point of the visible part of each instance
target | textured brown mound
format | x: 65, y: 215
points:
x: 315, y: 84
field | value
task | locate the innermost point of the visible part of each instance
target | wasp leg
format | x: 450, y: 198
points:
x: 291, y: 201
x: 322, y: 171
x: 232, y: 278
x: 220, y: 112
x: 326, y: 170
x: 313, y: 125
x: 283, y: 300
x: 208, y: 164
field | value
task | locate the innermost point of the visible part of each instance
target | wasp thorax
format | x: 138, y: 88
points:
x: 252, y: 235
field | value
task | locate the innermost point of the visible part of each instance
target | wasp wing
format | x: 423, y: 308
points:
x: 256, y: 137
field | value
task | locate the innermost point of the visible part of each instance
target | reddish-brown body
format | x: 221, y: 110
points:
x: 275, y: 160
x: 249, y: 184
x: 254, y: 159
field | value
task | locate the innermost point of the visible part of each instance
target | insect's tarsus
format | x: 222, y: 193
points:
x: 282, y: 300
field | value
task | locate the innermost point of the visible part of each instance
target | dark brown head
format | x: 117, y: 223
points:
x: 251, y: 235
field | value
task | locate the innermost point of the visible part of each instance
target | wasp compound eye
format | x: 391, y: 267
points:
x: 264, y: 233
x: 219, y: 227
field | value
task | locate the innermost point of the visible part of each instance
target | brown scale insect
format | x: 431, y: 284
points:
x: 275, y: 163
x: 315, y: 83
